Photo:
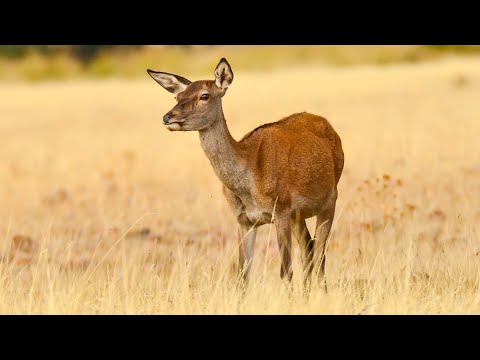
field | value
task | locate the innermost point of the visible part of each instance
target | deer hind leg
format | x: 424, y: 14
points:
x: 284, y: 238
x: 301, y: 233
x: 322, y: 230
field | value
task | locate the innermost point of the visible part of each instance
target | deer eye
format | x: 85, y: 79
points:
x: 204, y: 97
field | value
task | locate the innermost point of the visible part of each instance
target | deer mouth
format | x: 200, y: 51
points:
x: 174, y: 125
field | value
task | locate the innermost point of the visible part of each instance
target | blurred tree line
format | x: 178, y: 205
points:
x: 83, y: 53
x: 41, y: 62
x: 86, y: 53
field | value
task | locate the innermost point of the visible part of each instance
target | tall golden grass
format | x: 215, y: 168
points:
x: 103, y: 211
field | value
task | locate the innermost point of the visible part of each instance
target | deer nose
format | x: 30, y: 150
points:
x: 167, y: 117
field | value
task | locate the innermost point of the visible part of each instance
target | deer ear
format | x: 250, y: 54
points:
x: 223, y: 74
x: 170, y: 82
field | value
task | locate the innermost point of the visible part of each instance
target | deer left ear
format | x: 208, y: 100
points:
x: 223, y: 74
x: 170, y: 82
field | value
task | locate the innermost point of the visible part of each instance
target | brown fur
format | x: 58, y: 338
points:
x: 283, y: 172
x: 300, y: 154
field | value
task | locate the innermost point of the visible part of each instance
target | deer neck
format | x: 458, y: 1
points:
x: 224, y: 153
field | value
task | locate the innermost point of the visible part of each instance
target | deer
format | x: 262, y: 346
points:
x: 280, y: 173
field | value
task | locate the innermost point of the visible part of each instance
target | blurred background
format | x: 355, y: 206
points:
x: 42, y: 62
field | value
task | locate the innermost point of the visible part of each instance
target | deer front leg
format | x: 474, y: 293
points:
x: 247, y: 234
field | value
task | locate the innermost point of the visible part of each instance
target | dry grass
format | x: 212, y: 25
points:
x: 104, y: 211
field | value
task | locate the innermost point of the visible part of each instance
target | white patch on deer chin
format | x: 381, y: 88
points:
x: 173, y: 126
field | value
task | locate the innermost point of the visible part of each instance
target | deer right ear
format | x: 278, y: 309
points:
x: 223, y: 74
x: 173, y: 83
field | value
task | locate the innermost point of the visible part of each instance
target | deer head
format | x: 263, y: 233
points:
x: 199, y: 103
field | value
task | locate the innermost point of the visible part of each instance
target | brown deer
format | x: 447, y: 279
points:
x: 282, y: 173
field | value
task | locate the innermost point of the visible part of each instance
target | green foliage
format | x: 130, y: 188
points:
x: 456, y: 48
x: 40, y: 62
x: 13, y: 51
x: 86, y: 53
x: 83, y: 53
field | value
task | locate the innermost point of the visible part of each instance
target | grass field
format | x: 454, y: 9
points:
x: 103, y: 211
